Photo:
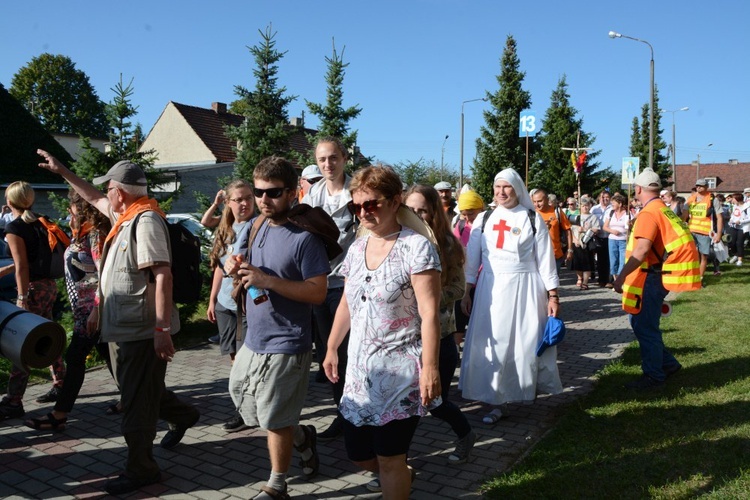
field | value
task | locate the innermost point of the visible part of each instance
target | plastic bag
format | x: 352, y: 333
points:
x: 721, y: 252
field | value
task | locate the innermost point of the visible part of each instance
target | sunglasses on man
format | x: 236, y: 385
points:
x: 270, y: 192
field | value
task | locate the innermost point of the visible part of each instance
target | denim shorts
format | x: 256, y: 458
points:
x: 703, y: 242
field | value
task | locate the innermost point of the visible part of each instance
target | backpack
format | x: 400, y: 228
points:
x: 187, y: 279
x: 52, y: 244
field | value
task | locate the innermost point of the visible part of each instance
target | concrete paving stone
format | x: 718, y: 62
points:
x: 597, y: 334
x: 32, y: 487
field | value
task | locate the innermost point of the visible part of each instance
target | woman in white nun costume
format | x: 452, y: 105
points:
x: 511, y: 262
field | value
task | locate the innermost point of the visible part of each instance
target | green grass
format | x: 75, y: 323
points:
x: 687, y: 440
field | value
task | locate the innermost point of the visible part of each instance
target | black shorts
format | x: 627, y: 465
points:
x: 369, y: 441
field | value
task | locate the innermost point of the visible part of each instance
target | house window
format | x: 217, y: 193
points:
x: 711, y: 182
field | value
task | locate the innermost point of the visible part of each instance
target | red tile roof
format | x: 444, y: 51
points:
x: 730, y: 178
x: 210, y: 124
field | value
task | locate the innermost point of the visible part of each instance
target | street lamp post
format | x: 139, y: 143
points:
x: 442, y: 156
x: 461, y: 168
x: 614, y: 34
x: 674, y: 145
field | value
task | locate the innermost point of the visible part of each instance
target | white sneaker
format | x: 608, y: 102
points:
x: 733, y: 260
x: 739, y: 263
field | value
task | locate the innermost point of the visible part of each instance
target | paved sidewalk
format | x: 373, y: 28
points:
x: 211, y: 464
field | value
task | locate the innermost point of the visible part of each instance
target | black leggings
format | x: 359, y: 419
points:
x: 737, y: 246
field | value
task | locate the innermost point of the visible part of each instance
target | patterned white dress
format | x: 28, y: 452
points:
x: 385, y: 343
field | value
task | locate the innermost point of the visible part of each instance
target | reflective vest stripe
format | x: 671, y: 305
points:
x: 700, y: 221
x: 685, y: 238
x: 680, y: 266
x: 674, y: 280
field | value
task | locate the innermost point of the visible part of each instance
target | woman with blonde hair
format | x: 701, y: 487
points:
x: 82, y: 261
x: 36, y: 290
x: 222, y: 308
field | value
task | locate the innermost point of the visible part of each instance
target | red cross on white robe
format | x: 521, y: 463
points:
x: 501, y: 227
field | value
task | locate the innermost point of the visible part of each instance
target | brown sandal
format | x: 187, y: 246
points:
x: 273, y: 493
x: 310, y: 467
x: 49, y: 423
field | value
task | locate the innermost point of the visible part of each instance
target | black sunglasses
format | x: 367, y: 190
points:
x: 270, y: 192
x: 312, y: 181
x: 370, y: 206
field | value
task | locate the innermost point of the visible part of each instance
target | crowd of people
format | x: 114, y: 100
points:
x: 379, y: 280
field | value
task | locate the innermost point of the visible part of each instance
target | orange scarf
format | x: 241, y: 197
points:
x: 142, y: 204
x: 54, y: 234
x: 82, y: 231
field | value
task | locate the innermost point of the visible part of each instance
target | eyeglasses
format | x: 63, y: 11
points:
x: 312, y: 181
x: 370, y: 206
x: 270, y: 192
x: 246, y: 199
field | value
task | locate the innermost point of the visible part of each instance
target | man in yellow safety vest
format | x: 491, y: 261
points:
x: 660, y: 255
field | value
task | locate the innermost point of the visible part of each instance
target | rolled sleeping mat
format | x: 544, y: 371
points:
x: 28, y: 340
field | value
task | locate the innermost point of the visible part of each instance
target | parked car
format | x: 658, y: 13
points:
x: 193, y: 224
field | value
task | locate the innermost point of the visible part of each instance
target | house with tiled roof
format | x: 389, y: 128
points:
x: 730, y: 177
x: 191, y: 144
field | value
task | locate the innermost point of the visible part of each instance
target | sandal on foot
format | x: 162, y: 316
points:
x: 310, y: 466
x: 274, y: 494
x: 579, y: 283
x: 585, y: 286
x: 492, y: 417
x: 49, y: 423
x: 113, y: 409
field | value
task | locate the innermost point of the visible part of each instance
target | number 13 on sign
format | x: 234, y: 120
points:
x: 528, y: 125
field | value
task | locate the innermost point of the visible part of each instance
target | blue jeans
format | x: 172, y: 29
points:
x: 655, y: 358
x: 616, y: 256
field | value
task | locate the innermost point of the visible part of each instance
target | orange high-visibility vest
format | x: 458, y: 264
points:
x: 700, y: 216
x: 680, y: 264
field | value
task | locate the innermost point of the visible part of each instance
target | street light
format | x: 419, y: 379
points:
x: 614, y: 34
x: 442, y: 156
x: 461, y: 169
x: 674, y: 146
x: 698, y: 164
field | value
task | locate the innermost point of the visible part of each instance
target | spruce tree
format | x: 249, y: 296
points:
x: 499, y: 145
x: 266, y: 130
x: 553, y: 169
x: 334, y: 118
x: 639, y: 141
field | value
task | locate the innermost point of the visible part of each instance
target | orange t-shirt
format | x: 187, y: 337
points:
x: 555, y: 223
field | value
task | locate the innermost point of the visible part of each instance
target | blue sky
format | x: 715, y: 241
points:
x: 412, y: 63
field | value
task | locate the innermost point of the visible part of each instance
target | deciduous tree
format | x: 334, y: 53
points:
x: 60, y: 96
